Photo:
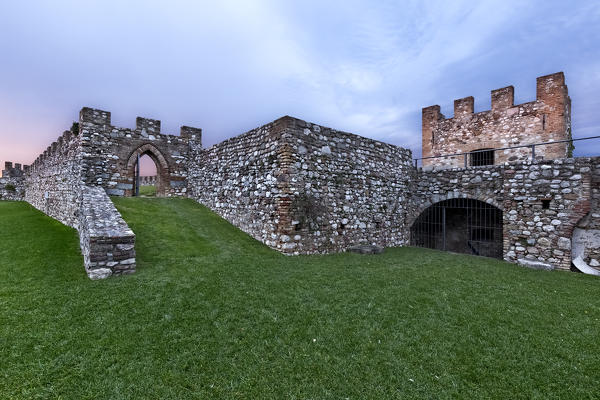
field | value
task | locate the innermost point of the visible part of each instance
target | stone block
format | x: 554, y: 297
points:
x: 99, y: 273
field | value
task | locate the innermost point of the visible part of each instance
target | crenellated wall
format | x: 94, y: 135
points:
x: 303, y: 188
x: 111, y: 153
x: 71, y: 180
x: 54, y: 180
x: 546, y: 119
x: 12, y: 181
x: 148, y: 180
x: 55, y: 184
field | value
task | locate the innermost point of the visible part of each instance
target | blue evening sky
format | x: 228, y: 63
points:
x: 366, y: 67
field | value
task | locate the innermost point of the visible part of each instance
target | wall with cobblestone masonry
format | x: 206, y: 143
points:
x: 531, y: 232
x: 12, y: 181
x: 71, y: 179
x: 548, y: 118
x: 54, y: 180
x: 107, y: 243
x: 111, y: 153
x: 344, y: 190
x: 535, y: 233
x: 428, y: 187
x: 55, y: 185
x: 241, y: 179
x: 303, y: 188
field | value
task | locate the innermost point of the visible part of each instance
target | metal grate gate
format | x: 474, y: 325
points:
x: 460, y: 225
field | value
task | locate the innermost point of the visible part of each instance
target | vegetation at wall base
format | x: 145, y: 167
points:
x: 212, y: 313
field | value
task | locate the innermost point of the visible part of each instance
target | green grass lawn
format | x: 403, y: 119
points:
x: 148, y: 190
x: 211, y: 313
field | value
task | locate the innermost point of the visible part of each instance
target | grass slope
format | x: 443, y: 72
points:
x: 211, y: 313
x: 148, y: 190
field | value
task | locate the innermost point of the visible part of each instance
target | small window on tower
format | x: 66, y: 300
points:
x: 482, y: 157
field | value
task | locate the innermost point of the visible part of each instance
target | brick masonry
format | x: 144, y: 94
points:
x: 546, y: 119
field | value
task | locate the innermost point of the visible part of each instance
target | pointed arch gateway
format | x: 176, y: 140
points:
x: 460, y: 225
x: 162, y: 168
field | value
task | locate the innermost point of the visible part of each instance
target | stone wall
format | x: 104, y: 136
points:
x: 107, y: 243
x: 542, y: 203
x: 12, y: 181
x: 55, y: 185
x: 303, y: 188
x: 538, y: 231
x: 344, y: 190
x: 111, y: 153
x: 546, y: 119
x: 428, y: 187
x: 71, y: 179
x: 241, y: 179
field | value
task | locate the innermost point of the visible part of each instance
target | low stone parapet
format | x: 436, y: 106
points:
x: 107, y: 242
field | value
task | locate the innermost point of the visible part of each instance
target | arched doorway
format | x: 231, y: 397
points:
x: 143, y: 162
x: 460, y: 225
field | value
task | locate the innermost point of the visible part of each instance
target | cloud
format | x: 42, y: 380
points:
x: 230, y: 66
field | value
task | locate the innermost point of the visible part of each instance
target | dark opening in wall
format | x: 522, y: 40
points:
x: 460, y: 225
x: 544, y: 122
x: 482, y: 157
x: 546, y: 204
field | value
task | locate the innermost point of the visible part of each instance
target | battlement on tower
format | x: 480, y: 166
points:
x: 15, y: 171
x: 546, y: 119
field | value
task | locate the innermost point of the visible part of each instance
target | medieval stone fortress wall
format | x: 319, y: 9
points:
x: 112, y: 153
x: 546, y: 119
x: 302, y: 188
x: 12, y: 181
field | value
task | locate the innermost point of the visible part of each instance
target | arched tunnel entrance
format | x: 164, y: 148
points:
x: 460, y: 225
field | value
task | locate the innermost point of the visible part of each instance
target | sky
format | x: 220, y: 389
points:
x: 366, y: 67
